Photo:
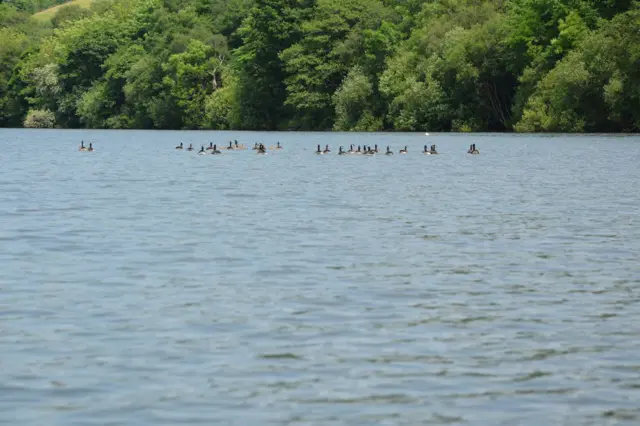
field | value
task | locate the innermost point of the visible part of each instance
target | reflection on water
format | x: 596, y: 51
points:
x: 146, y: 284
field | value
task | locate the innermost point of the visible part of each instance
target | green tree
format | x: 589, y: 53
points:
x: 271, y: 27
x: 454, y: 72
x: 595, y: 87
x: 338, y: 35
x: 11, y: 48
x: 352, y: 101
x: 220, y: 105
x: 189, y: 80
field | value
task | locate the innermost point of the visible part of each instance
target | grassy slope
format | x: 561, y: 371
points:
x: 47, y: 14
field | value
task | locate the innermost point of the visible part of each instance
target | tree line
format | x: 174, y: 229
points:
x: 346, y: 65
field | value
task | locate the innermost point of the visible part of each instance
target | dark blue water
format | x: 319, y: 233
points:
x: 144, y: 285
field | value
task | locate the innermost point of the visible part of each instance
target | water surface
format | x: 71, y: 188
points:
x: 144, y: 285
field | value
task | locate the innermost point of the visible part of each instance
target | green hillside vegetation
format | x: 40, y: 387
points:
x: 355, y: 65
x: 48, y: 14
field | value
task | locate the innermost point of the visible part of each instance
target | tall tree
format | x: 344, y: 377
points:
x: 271, y: 27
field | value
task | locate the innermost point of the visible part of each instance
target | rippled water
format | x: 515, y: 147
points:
x: 144, y: 285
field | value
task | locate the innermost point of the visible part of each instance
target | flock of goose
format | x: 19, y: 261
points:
x: 367, y: 150
x: 84, y: 148
x: 233, y: 146
x: 262, y: 149
x: 362, y: 150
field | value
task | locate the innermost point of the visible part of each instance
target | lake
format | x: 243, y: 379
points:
x: 146, y: 285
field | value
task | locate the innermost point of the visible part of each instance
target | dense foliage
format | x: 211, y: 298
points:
x: 407, y: 65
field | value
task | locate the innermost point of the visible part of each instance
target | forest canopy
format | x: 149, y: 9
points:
x: 348, y: 65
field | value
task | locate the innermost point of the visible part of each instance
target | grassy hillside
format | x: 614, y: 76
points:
x: 47, y: 14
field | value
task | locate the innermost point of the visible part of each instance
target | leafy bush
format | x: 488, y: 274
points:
x: 39, y: 119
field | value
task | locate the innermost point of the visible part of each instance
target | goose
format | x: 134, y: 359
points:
x: 473, y: 150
